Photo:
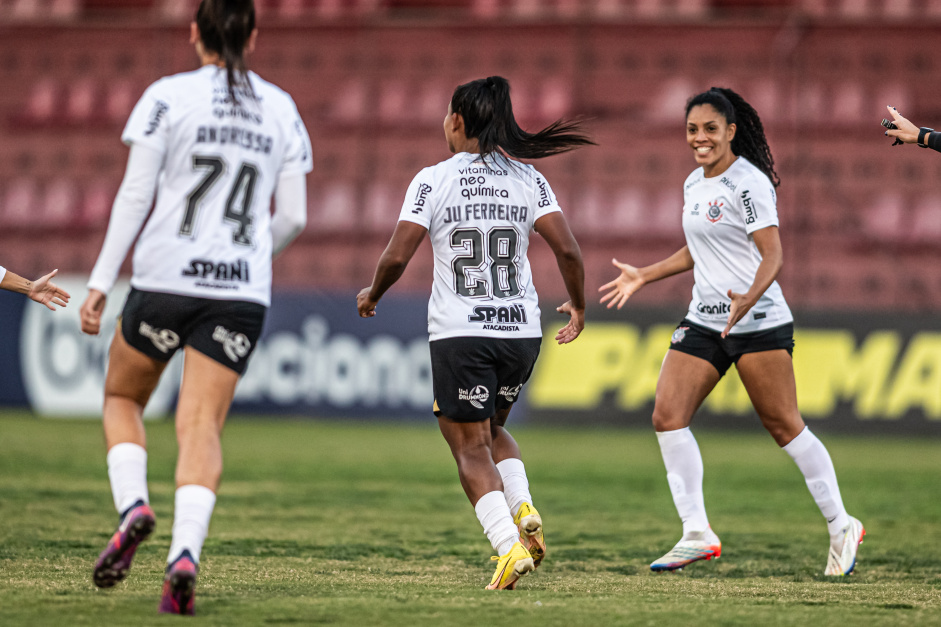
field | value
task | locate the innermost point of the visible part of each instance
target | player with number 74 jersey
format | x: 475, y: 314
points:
x: 210, y: 232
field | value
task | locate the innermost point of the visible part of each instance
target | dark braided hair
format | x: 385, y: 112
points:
x: 488, y: 116
x: 225, y: 27
x: 749, y: 140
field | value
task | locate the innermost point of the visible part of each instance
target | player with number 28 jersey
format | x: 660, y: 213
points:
x: 479, y: 214
x: 479, y: 208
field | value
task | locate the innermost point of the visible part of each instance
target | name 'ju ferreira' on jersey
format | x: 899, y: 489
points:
x: 480, y: 215
x: 227, y: 159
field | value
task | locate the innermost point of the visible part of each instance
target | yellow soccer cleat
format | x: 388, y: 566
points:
x: 529, y: 523
x: 511, y: 567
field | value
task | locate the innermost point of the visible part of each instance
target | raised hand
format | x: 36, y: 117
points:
x: 47, y: 293
x: 906, y: 131
x: 622, y: 287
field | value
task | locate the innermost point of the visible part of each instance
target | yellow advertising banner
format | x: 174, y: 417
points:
x: 876, y: 374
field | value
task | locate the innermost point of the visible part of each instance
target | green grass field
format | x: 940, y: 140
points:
x: 366, y: 524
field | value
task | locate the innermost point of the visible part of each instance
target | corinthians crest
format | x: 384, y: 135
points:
x: 714, y: 214
x: 679, y: 335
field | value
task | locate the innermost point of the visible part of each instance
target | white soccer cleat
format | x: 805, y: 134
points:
x: 692, y: 547
x: 843, y: 563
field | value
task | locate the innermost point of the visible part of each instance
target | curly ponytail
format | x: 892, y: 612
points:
x: 225, y: 27
x: 488, y: 116
x: 749, y: 140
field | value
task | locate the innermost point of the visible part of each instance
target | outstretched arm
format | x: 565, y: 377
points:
x: 555, y: 230
x: 392, y: 263
x: 632, y: 279
x: 42, y: 290
x: 768, y: 241
x: 907, y: 133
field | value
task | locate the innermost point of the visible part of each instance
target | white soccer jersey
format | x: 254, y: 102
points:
x: 719, y: 216
x: 479, y: 217
x: 209, y: 235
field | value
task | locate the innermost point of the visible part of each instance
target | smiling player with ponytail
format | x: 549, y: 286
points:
x: 738, y: 315
x: 479, y: 208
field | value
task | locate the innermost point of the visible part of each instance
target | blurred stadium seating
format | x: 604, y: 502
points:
x: 861, y: 220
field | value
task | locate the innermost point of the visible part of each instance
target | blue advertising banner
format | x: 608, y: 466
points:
x: 317, y: 356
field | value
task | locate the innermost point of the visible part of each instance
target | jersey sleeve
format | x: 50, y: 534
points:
x: 298, y: 157
x: 545, y: 200
x: 149, y: 124
x: 758, y: 204
x: 418, y: 207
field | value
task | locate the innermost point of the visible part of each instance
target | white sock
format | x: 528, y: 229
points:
x: 191, y: 514
x: 494, y: 515
x: 515, y: 484
x: 127, y: 470
x: 812, y: 458
x: 684, y: 473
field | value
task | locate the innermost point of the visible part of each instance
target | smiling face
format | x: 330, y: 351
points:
x: 710, y: 135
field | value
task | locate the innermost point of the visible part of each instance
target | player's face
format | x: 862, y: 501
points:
x: 709, y: 135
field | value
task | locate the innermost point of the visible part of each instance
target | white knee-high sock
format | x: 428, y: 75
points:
x: 684, y: 473
x: 812, y: 458
x: 191, y: 514
x: 127, y: 470
x: 494, y: 515
x: 515, y: 484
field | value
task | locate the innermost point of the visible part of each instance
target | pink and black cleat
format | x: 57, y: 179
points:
x: 114, y: 562
x: 179, y: 586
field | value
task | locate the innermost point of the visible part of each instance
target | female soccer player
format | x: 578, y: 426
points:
x: 737, y: 315
x: 42, y: 290
x: 216, y: 144
x: 483, y: 317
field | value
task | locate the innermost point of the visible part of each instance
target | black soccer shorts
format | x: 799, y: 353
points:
x: 474, y: 377
x: 705, y: 343
x: 158, y: 324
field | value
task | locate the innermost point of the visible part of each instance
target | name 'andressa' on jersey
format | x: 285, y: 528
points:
x: 249, y: 140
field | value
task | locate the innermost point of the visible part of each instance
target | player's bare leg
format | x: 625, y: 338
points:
x: 768, y: 377
x: 684, y: 383
x: 131, y: 379
x: 471, y: 445
x: 205, y: 396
